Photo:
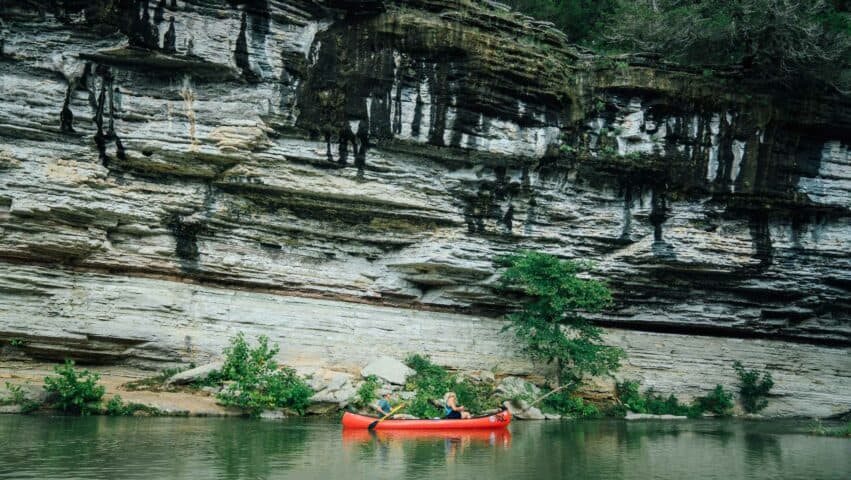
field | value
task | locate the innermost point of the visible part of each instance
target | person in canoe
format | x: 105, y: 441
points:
x: 452, y: 409
x: 383, y: 406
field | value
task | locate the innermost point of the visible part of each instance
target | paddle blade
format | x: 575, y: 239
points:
x: 372, y: 425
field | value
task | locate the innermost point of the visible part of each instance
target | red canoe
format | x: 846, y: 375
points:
x: 497, y: 420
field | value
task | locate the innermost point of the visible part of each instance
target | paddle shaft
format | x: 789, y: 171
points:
x: 373, y: 424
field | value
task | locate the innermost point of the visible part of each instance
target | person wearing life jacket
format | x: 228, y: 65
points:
x: 451, y: 409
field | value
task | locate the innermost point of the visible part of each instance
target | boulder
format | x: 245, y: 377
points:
x: 336, y: 394
x: 194, y: 374
x: 33, y: 393
x: 516, y: 387
x: 11, y: 409
x: 531, y: 413
x: 388, y: 369
x: 211, y: 390
x: 552, y: 416
x: 521, y: 410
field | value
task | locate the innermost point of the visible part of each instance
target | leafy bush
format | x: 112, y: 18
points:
x: 718, y: 401
x: 578, y: 18
x: 753, y: 387
x: 366, y: 392
x: 651, y: 402
x: 258, y: 382
x: 565, y: 403
x: 819, y: 429
x: 780, y: 40
x: 431, y: 382
x: 552, y: 326
x: 78, y: 392
x: 117, y: 408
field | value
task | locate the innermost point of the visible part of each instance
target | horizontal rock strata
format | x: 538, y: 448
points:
x: 383, y: 155
x: 149, y: 323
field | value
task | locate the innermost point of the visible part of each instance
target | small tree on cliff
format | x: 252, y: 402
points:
x: 551, y: 325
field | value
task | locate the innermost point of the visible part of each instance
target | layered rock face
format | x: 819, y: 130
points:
x: 382, y: 154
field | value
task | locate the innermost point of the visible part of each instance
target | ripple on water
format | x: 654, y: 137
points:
x: 190, y: 448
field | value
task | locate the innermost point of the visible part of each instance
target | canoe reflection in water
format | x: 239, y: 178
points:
x: 497, y: 438
x: 438, y: 445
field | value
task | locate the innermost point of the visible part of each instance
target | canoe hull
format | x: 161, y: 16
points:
x: 495, y: 421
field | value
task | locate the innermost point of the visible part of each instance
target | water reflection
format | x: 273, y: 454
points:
x: 415, y: 448
x: 151, y: 448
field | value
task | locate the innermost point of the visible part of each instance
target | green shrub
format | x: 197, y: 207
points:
x: 552, y: 326
x: 19, y: 398
x: 431, y: 382
x: 366, y: 392
x: 753, y: 387
x: 475, y: 396
x: 650, y: 401
x: 718, y: 402
x: 630, y: 397
x: 258, y: 382
x: 819, y: 429
x: 78, y: 392
x: 117, y: 408
x: 565, y: 403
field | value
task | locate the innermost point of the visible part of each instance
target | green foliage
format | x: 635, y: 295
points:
x: 117, y: 408
x: 431, y: 382
x: 78, y: 392
x: 578, y: 18
x: 652, y: 402
x: 820, y: 429
x: 780, y: 40
x: 753, y: 387
x: 787, y: 41
x: 19, y: 398
x: 17, y: 342
x: 257, y: 381
x: 366, y: 392
x: 565, y: 403
x: 551, y: 326
x: 717, y: 401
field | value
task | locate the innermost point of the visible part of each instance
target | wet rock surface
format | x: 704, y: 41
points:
x: 173, y: 168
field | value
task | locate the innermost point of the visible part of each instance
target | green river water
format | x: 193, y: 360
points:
x: 41, y: 447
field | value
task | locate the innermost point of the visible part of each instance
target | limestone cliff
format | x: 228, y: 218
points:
x: 174, y: 171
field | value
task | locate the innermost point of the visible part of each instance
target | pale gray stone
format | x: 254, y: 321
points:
x: 515, y: 387
x: 194, y: 374
x: 388, y: 369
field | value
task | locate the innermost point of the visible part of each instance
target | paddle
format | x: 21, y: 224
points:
x: 373, y: 424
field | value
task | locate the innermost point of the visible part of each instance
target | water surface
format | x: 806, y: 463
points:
x: 197, y: 448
